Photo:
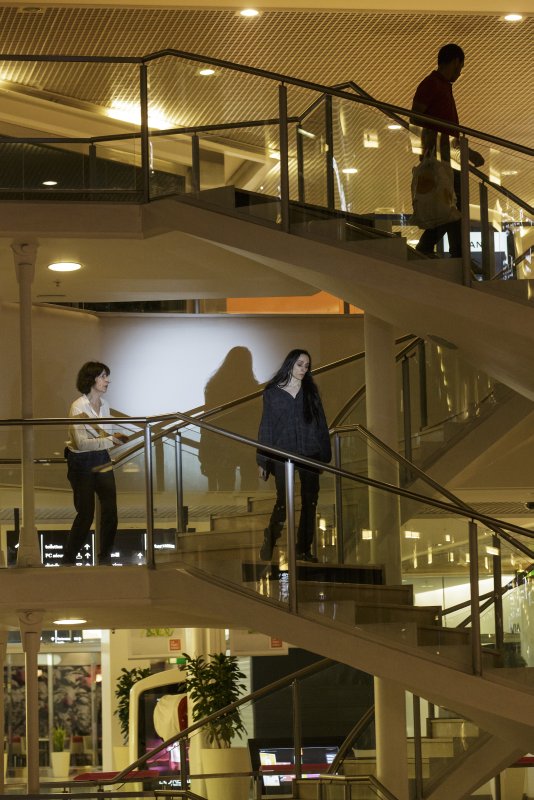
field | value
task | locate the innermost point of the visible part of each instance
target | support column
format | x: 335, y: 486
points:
x: 30, y: 623
x: 384, y: 520
x: 382, y: 414
x: 24, y: 254
x: 3, y: 650
x: 197, y: 645
x: 390, y: 731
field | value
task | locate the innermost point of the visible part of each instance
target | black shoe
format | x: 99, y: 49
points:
x: 307, y: 557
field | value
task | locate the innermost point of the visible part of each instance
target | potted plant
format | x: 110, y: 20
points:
x: 125, y: 681
x: 60, y: 756
x: 212, y: 684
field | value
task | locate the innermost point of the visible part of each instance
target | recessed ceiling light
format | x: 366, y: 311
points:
x: 67, y: 621
x: 349, y: 171
x: 513, y: 17
x: 49, y: 183
x: 249, y: 12
x: 65, y: 266
x: 206, y: 71
x: 394, y: 126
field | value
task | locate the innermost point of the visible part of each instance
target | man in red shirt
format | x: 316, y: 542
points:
x: 434, y: 97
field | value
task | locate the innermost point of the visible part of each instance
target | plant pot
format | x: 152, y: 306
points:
x: 228, y: 759
x: 61, y: 764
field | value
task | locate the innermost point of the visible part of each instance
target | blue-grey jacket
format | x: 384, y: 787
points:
x: 283, y: 425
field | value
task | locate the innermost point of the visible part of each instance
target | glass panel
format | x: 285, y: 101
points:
x: 510, y: 214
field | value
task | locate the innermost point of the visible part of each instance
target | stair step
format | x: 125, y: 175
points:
x: 349, y: 612
x: 455, y: 727
x: 327, y: 573
x: 368, y: 593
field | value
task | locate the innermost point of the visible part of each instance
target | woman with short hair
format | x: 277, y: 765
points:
x: 88, y: 447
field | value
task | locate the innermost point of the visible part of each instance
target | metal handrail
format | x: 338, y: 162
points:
x: 431, y: 482
x: 287, y: 455
x: 351, y: 737
x: 279, y: 77
x: 281, y: 683
x: 351, y: 402
x: 205, y: 414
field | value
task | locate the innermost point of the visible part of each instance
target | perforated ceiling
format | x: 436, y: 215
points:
x: 386, y: 53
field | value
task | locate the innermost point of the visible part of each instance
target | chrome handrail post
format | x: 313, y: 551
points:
x: 497, y: 596
x: 466, y: 227
x: 183, y: 764
x: 291, y: 538
x: 406, y: 408
x: 145, y: 142
x: 488, y: 260
x: 284, y: 157
x: 340, y: 547
x: 301, y: 184
x: 297, y: 728
x: 149, y: 497
x: 418, y: 752
x: 329, y: 146
x: 476, y: 651
x: 423, y: 394
x: 195, y: 163
x: 179, y: 484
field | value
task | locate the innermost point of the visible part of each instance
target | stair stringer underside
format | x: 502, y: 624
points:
x: 501, y: 710
x: 475, y: 767
x: 495, y: 334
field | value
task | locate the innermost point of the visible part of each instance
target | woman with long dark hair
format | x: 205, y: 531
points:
x: 293, y: 419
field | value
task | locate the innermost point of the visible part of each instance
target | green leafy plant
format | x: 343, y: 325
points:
x: 211, y: 685
x: 125, y: 681
x: 59, y: 735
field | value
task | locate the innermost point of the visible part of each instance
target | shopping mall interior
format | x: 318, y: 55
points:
x: 189, y: 192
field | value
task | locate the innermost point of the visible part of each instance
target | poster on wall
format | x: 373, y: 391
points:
x: 156, y: 643
x: 252, y: 643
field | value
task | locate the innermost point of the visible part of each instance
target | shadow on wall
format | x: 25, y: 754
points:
x: 220, y: 459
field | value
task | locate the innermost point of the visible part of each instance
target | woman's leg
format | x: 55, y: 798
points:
x: 278, y: 514
x: 107, y: 494
x: 309, y: 492
x: 83, y: 489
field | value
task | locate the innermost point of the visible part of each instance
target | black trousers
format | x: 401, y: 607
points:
x: 309, y: 493
x: 85, y: 484
x: 432, y: 236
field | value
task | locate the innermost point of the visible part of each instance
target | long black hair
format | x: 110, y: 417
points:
x: 311, y: 397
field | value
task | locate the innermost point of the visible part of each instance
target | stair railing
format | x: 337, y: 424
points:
x: 183, y: 737
x: 281, y: 82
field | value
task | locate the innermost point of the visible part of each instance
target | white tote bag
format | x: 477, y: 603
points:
x: 433, y: 197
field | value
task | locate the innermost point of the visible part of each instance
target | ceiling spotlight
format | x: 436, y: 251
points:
x: 249, y: 12
x: 206, y: 71
x: 513, y: 17
x: 349, y: 171
x: 65, y: 266
x: 49, y: 183
x: 394, y: 126
x: 67, y: 621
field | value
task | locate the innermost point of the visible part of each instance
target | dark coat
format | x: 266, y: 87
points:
x: 283, y: 425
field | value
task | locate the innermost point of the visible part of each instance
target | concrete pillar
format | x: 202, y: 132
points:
x: 24, y: 254
x: 384, y: 519
x: 390, y: 730
x: 30, y: 623
x: 3, y: 650
x: 197, y: 645
x: 114, y: 656
x: 382, y: 415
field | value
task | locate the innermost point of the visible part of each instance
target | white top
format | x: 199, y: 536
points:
x: 93, y: 435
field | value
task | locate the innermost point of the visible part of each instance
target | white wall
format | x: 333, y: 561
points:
x: 161, y: 364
